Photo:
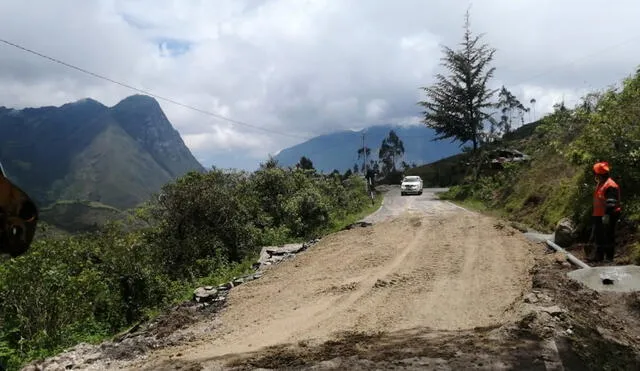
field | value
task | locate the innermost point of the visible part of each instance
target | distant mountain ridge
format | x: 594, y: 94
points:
x: 339, y: 150
x: 85, y: 150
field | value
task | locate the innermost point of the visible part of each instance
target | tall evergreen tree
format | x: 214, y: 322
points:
x: 456, y: 105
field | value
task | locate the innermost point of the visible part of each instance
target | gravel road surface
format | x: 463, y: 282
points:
x: 428, y: 285
x: 424, y: 264
x: 428, y: 203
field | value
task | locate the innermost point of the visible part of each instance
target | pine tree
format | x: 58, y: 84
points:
x: 456, y: 104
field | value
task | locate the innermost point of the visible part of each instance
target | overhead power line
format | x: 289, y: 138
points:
x: 85, y: 71
x: 240, y: 123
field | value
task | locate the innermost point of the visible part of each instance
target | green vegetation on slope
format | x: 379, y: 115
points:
x: 113, y: 169
x: 203, y: 228
x: 565, y: 144
x: 443, y: 173
x: 85, y: 216
x: 84, y: 150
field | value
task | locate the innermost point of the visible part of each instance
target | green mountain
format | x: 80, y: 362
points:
x: 117, y: 156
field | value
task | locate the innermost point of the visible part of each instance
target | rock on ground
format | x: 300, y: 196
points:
x: 565, y: 233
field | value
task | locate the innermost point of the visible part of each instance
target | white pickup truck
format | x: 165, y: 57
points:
x: 411, y: 184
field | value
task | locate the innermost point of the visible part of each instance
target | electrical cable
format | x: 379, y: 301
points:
x: 241, y: 123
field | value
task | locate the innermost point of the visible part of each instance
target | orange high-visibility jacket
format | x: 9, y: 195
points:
x: 600, y: 200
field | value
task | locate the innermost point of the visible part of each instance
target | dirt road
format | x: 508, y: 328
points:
x: 428, y: 286
x: 427, y: 204
x: 424, y: 264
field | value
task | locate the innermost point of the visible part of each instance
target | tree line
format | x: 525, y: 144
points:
x: 390, y: 160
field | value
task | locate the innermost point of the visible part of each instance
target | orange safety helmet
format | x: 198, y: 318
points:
x: 601, y: 168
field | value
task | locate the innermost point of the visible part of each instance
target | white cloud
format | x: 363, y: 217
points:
x: 376, y: 108
x: 303, y: 68
x: 224, y: 139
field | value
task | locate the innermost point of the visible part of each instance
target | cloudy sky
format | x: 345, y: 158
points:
x: 301, y: 68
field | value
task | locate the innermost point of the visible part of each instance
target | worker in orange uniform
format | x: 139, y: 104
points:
x: 606, y: 211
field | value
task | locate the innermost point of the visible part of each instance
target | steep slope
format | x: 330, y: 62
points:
x: 559, y: 182
x: 114, y: 169
x: 452, y: 170
x: 87, y: 151
x: 339, y: 150
x: 142, y: 118
x: 37, y: 145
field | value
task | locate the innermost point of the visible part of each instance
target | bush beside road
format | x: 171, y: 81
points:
x: 205, y: 230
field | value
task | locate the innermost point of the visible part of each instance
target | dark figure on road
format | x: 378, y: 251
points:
x: 606, y: 211
x: 370, y: 176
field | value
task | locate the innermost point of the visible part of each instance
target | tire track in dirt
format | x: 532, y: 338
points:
x: 452, y: 271
x: 322, y: 325
x: 476, y: 276
x: 320, y: 314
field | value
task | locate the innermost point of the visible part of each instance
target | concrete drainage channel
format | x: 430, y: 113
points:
x: 625, y: 278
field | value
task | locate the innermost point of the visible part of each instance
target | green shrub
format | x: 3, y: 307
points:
x: 76, y: 288
x: 204, y: 229
x: 204, y: 216
x: 565, y: 145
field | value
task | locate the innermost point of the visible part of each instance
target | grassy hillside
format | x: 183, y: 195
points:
x: 85, y: 216
x: 558, y: 182
x: 113, y: 170
x: 455, y: 169
x: 538, y: 193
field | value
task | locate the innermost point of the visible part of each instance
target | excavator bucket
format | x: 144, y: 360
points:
x: 18, y: 218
